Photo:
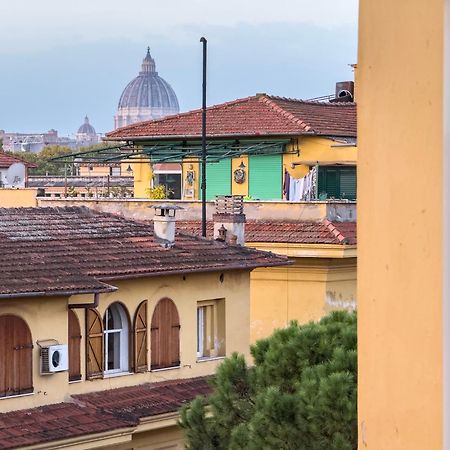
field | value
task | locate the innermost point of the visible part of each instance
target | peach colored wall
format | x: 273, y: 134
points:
x: 400, y: 187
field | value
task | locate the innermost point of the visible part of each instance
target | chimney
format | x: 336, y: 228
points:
x: 164, y: 223
x: 230, y: 216
x: 345, y: 91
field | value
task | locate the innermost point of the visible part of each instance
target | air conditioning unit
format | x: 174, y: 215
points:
x: 54, y: 358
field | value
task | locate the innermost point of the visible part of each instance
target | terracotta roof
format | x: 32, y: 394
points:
x: 300, y: 232
x: 261, y: 115
x: 95, y: 413
x: 51, y: 251
x: 146, y: 400
x: 7, y: 160
x: 49, y: 423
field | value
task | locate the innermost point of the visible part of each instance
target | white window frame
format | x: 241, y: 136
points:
x: 202, y: 353
x: 123, y: 340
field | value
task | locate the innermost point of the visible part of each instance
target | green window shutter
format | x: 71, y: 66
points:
x: 348, y: 183
x: 337, y: 182
x: 265, y: 177
x: 218, y: 179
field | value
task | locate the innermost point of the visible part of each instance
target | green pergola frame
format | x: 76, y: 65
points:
x: 178, y: 151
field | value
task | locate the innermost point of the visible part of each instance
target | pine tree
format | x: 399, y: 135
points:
x: 299, y: 394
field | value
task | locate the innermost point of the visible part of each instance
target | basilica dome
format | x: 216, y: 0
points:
x: 146, y: 97
x: 86, y: 127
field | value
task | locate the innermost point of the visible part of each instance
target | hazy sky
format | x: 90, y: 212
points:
x: 62, y: 60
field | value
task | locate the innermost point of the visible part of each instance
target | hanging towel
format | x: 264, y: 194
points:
x: 286, y: 185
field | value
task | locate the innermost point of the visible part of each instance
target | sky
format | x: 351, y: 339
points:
x: 62, y: 60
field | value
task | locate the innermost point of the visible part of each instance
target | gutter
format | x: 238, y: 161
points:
x: 58, y: 293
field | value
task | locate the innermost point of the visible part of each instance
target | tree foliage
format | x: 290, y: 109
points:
x: 299, y: 394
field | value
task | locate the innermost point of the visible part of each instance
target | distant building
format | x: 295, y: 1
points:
x: 146, y: 97
x: 13, y: 171
x: 86, y: 134
x: 33, y: 142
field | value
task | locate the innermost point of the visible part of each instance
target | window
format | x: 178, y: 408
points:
x: 16, y: 347
x: 172, y: 183
x: 337, y: 182
x: 74, y: 347
x: 165, y: 335
x: 116, y: 334
x: 211, y: 329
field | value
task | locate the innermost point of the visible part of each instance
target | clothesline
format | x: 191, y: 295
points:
x: 298, y: 189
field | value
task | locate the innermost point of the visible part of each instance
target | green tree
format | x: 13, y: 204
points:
x: 299, y: 394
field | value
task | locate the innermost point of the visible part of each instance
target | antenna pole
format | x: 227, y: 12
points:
x: 203, y: 185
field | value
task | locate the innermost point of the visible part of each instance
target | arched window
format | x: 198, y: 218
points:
x: 74, y: 335
x: 165, y: 335
x: 116, y: 339
x: 16, y: 376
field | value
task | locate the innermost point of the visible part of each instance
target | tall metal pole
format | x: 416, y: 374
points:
x: 203, y: 186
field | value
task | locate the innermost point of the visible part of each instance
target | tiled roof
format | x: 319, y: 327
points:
x: 7, y: 160
x: 261, y: 115
x: 98, y: 412
x: 299, y: 232
x: 58, y: 250
x: 49, y: 423
x: 146, y: 400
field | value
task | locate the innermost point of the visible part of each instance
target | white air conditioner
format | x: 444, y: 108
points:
x: 54, y: 358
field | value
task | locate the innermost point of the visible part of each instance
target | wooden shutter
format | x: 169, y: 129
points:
x: 165, y: 335
x: 218, y: 179
x: 140, y: 338
x: 74, y: 347
x: 16, y: 373
x: 94, y: 345
x: 265, y: 181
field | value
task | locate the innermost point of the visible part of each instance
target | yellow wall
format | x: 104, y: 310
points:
x: 143, y: 174
x: 400, y: 82
x: 15, y: 198
x: 47, y: 319
x: 308, y: 290
x: 315, y: 149
x: 236, y: 188
x: 97, y: 171
x: 195, y: 167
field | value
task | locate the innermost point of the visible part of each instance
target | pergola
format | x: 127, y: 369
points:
x: 181, y: 151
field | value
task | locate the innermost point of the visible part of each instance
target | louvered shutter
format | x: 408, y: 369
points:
x: 16, y: 373
x: 265, y: 181
x: 74, y: 347
x: 218, y: 179
x: 140, y: 338
x: 94, y: 345
x: 165, y: 335
x: 348, y: 183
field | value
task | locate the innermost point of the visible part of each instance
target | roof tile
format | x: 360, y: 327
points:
x: 52, y: 251
x: 261, y: 115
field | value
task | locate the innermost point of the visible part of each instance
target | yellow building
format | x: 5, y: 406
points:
x: 261, y: 147
x: 322, y: 277
x: 107, y: 328
x: 403, y: 242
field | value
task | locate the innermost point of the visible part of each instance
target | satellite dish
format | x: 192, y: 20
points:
x: 15, y: 175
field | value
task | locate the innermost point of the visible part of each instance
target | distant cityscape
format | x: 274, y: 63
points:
x: 145, y: 97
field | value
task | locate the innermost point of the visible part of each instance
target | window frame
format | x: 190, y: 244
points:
x: 124, y: 340
x: 217, y: 350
